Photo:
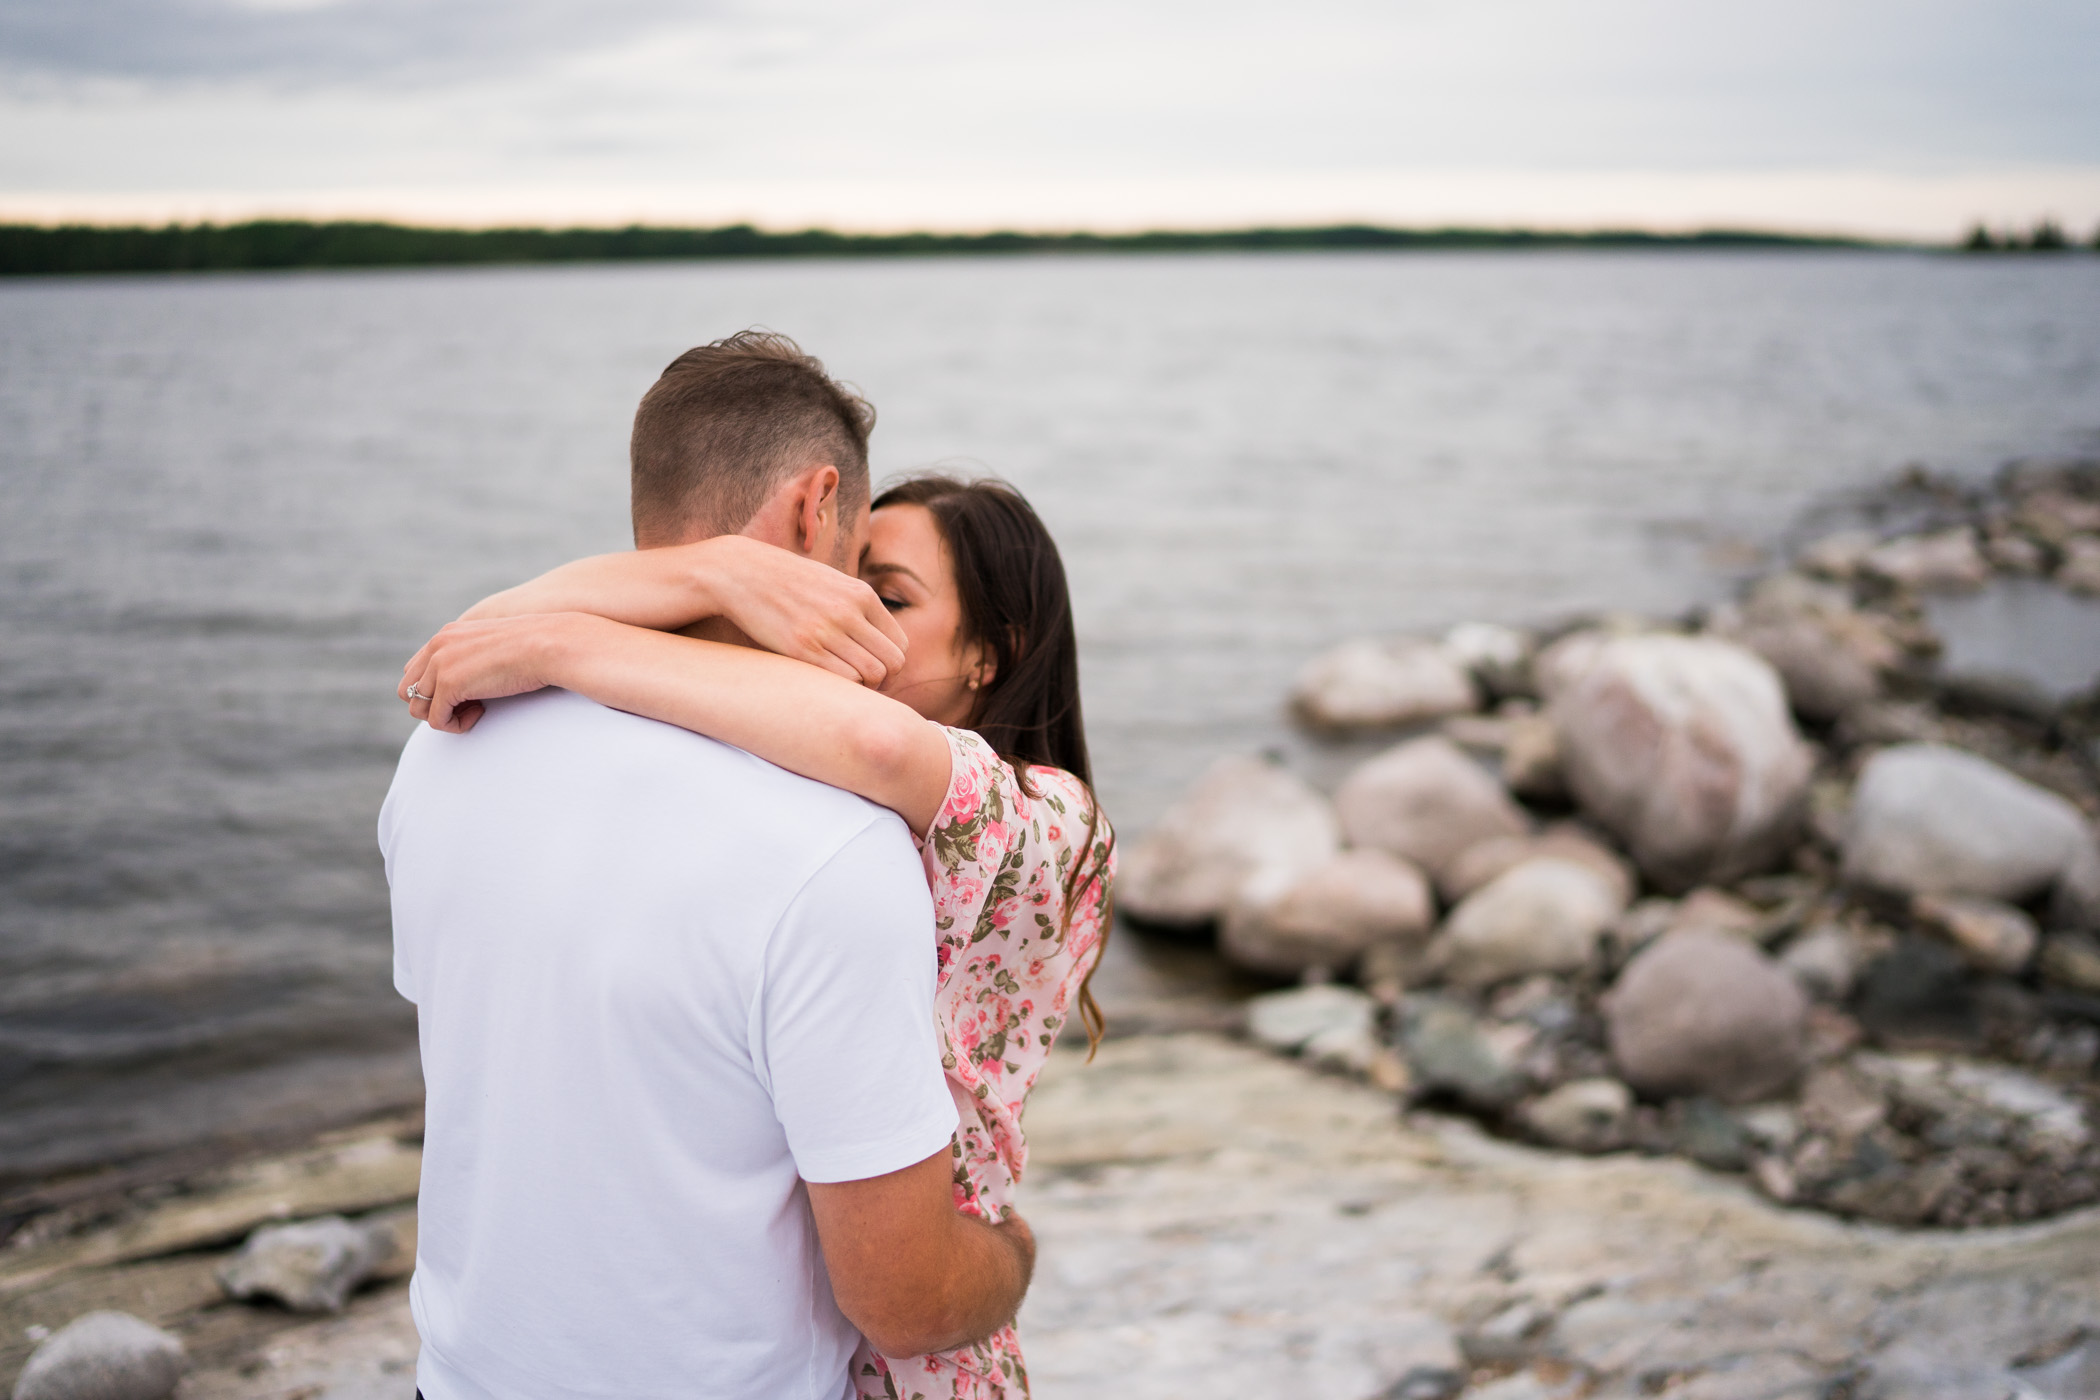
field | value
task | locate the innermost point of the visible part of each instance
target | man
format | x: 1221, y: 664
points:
x: 687, y: 1127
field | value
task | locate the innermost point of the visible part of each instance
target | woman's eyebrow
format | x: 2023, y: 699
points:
x: 873, y: 568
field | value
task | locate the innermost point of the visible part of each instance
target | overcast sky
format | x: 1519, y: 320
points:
x: 1900, y: 116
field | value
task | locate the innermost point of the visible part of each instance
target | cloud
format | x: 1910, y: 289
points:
x: 389, y: 42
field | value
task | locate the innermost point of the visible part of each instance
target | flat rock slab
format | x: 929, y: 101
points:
x: 1214, y: 1220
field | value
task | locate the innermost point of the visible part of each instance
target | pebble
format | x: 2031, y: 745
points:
x: 1683, y: 747
x: 103, y: 1356
x: 1995, y: 937
x: 1825, y: 959
x: 2072, y: 960
x: 1946, y: 560
x: 1499, y: 657
x: 1246, y: 822
x: 309, y: 1266
x: 1583, y: 1115
x: 1425, y: 802
x: 1700, y: 1012
x: 1289, y: 1020
x: 1450, y: 1050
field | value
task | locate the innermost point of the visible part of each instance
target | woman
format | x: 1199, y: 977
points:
x: 976, y: 741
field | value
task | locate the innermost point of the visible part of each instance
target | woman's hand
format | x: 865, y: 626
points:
x: 469, y: 662
x: 800, y: 608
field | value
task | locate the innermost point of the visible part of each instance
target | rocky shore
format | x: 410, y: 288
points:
x: 1765, y: 886
x: 1214, y: 1220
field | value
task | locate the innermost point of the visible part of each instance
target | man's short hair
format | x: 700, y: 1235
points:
x: 726, y: 423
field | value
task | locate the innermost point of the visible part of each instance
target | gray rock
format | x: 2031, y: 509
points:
x: 1683, y: 747
x: 309, y: 1266
x: 1839, y: 555
x: 1330, y: 916
x: 1290, y: 1020
x: 2072, y: 960
x: 1947, y: 560
x: 1699, y: 1012
x: 1367, y: 684
x: 1826, y: 960
x: 1710, y: 1135
x: 103, y: 1356
x: 1933, y: 819
x: 1496, y: 856
x: 1544, y: 915
x: 2080, y: 570
x: 2014, y: 553
x: 1453, y: 1051
x: 1499, y: 657
x: 1583, y: 1115
x: 1425, y: 802
x: 1993, y: 936
x: 1247, y: 820
x: 1973, y: 1103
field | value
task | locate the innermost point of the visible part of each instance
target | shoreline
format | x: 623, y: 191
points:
x: 32, y: 250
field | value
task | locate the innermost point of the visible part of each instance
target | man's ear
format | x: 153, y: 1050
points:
x: 817, y: 512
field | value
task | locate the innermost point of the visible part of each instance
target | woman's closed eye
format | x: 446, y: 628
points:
x: 892, y: 602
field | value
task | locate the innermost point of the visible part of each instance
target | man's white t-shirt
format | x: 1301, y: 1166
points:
x: 659, y: 984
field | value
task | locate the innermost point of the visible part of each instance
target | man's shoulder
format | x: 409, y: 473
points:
x: 551, y: 730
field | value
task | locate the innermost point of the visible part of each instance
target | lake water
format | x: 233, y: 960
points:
x: 233, y: 505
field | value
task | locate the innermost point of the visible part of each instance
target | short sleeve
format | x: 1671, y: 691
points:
x: 843, y: 1028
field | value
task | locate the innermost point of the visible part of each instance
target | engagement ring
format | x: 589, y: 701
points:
x: 413, y: 695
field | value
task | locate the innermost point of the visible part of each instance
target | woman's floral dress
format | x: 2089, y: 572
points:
x: 1011, y: 959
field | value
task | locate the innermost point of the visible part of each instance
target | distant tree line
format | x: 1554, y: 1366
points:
x: 27, y: 249
x: 2048, y: 236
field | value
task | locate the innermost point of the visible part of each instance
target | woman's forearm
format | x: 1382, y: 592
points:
x: 787, y: 712
x: 665, y: 589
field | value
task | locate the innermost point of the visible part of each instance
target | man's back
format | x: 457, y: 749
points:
x: 657, y: 981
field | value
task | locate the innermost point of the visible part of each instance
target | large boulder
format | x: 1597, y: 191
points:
x: 1544, y: 915
x: 1701, y: 1012
x: 1246, y: 821
x: 1383, y: 684
x: 1425, y: 802
x: 1933, y: 819
x: 1330, y: 916
x: 103, y: 1356
x: 1683, y: 748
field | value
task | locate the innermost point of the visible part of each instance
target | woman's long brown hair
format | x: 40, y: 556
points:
x: 1015, y: 604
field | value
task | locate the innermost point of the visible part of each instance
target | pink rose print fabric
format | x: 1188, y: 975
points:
x: 1012, y: 956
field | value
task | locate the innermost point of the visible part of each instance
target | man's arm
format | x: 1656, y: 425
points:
x: 913, y: 1273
